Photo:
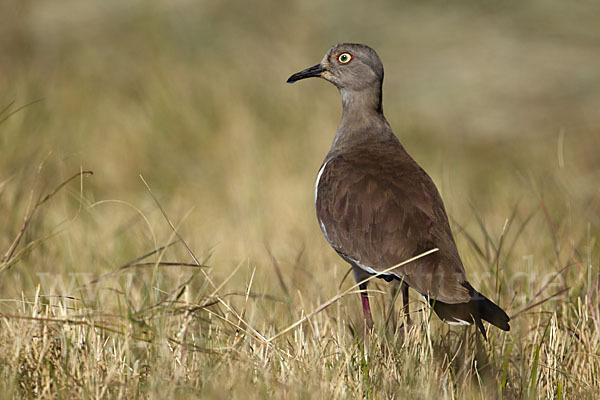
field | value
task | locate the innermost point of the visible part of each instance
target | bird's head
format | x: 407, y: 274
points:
x: 349, y: 66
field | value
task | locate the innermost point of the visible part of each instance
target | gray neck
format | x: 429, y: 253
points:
x: 365, y: 101
x: 362, y: 119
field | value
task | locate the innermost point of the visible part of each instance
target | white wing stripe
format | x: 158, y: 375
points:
x: 317, y: 182
x: 372, y: 271
x: 457, y: 321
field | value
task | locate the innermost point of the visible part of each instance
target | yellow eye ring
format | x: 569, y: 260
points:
x: 344, y: 58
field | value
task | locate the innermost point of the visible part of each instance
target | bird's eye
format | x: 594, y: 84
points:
x: 344, y: 58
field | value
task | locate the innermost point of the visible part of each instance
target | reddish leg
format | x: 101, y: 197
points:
x: 366, y: 306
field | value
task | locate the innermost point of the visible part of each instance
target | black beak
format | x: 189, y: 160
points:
x: 314, y: 71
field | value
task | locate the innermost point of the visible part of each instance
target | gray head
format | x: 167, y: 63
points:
x: 349, y: 66
x: 352, y: 67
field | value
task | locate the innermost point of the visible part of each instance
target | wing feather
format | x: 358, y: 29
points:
x: 380, y: 208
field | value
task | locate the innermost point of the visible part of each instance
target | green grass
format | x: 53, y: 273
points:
x: 210, y: 277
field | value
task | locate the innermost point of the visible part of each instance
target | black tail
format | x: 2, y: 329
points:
x: 477, y: 309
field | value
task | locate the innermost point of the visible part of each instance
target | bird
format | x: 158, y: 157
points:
x: 377, y: 207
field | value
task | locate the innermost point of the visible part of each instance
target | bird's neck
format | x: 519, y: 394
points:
x: 362, y: 119
x: 365, y: 101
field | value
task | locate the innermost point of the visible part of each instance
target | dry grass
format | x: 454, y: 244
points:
x: 183, y: 283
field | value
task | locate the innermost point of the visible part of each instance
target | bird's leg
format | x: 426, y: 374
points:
x: 405, y: 306
x: 366, y: 306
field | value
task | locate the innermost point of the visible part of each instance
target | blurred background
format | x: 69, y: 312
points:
x: 498, y: 101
